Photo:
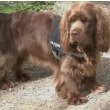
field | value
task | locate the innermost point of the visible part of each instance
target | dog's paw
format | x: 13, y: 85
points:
x: 72, y: 98
x: 76, y: 99
x: 23, y: 77
x: 6, y: 84
x: 99, y: 89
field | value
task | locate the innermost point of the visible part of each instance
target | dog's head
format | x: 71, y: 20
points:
x: 86, y: 25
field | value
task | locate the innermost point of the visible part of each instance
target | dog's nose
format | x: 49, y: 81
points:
x: 75, y: 33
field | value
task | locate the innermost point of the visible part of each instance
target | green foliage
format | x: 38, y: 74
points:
x: 9, y: 7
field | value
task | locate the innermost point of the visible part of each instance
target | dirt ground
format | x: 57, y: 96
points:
x: 39, y: 93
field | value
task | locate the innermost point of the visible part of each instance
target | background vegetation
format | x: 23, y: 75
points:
x: 9, y: 6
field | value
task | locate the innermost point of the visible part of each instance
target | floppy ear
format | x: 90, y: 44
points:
x: 64, y: 29
x: 102, y: 30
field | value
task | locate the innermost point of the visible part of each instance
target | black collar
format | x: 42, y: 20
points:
x: 76, y: 55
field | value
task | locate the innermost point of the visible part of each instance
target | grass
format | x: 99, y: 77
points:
x: 9, y: 6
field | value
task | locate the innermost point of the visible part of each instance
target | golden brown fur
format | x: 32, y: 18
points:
x: 85, y: 29
x: 26, y: 36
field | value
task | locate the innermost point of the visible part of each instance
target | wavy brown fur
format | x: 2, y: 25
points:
x: 84, y: 29
x: 26, y: 36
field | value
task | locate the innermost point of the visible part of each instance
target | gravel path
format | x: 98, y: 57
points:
x: 39, y: 94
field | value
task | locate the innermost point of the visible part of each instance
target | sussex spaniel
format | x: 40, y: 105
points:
x: 26, y: 36
x: 85, y: 32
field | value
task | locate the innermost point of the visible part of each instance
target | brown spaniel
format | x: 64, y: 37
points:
x: 27, y: 36
x: 85, y: 32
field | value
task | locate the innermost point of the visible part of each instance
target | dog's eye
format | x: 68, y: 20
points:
x: 84, y: 20
x: 72, y: 22
x: 89, y: 20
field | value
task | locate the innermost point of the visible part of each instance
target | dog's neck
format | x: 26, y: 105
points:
x: 80, y: 52
x: 76, y: 52
x: 76, y: 55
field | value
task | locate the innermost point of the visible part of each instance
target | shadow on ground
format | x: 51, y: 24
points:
x: 103, y: 75
x: 37, y: 72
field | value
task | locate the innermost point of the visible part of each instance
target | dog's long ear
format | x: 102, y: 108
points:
x: 64, y: 29
x: 102, y: 30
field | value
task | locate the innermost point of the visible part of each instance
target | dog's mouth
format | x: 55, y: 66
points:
x: 77, y: 46
x: 74, y: 44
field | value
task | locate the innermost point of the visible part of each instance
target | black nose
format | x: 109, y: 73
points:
x: 75, y: 33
